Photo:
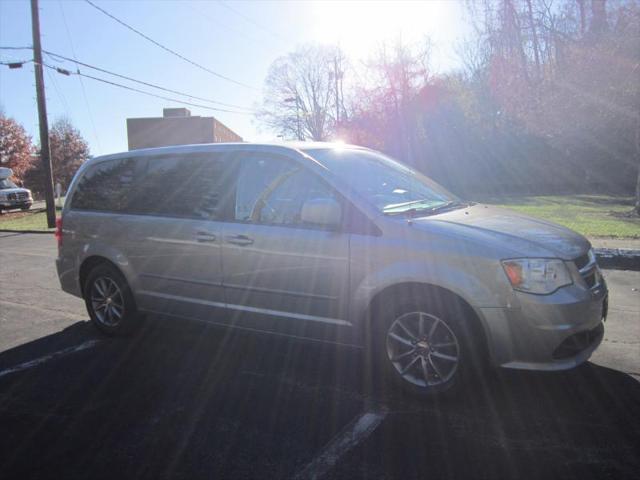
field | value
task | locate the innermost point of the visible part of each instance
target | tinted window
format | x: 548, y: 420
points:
x: 188, y: 186
x: 191, y: 186
x: 273, y: 191
x: 106, y: 186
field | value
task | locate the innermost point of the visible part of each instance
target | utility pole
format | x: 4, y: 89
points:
x: 45, y: 153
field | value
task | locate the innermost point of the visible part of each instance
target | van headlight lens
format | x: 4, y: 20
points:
x: 537, y: 275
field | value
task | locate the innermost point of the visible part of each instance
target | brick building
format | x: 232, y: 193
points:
x: 177, y: 127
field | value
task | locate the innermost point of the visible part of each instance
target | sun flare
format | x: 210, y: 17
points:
x: 359, y: 26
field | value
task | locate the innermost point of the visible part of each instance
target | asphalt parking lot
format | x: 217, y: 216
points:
x: 186, y: 400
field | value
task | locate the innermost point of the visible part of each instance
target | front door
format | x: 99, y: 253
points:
x: 283, y: 273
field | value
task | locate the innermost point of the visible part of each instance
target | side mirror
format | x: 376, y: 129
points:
x: 325, y: 212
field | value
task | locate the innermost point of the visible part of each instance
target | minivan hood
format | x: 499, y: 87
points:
x: 520, y: 234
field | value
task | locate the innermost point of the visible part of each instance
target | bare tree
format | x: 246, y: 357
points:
x: 399, y: 71
x: 303, y: 95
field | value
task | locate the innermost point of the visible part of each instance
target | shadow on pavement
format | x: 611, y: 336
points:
x: 75, y: 334
x: 179, y: 400
x: 580, y: 424
x: 186, y: 400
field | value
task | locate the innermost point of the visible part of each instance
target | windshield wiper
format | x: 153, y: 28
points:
x: 452, y: 204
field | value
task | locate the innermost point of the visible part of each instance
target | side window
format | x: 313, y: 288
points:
x: 189, y: 186
x: 107, y: 186
x: 272, y: 191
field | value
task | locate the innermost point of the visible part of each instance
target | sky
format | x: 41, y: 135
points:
x: 235, y: 39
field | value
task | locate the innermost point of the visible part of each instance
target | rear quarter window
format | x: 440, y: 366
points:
x: 106, y: 186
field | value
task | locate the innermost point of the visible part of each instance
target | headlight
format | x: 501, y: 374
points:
x: 537, y: 275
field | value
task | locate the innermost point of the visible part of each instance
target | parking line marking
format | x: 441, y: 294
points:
x: 351, y: 435
x: 40, y: 360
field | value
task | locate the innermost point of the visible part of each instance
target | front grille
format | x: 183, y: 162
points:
x: 18, y: 196
x: 578, y: 342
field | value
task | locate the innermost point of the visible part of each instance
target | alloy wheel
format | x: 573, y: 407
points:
x: 107, y: 301
x: 423, y: 349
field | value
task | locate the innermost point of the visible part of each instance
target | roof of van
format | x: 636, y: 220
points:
x: 206, y: 147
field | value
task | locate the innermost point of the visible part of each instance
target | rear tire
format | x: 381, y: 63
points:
x: 424, y: 343
x: 109, y: 301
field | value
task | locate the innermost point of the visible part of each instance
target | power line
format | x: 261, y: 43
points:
x: 217, y: 22
x: 251, y: 20
x: 126, y: 87
x: 131, y: 79
x: 173, y: 52
x: 142, y: 82
x: 61, y: 97
x: 84, y: 92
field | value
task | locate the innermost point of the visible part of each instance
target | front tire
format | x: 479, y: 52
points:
x: 109, y: 301
x: 424, y: 345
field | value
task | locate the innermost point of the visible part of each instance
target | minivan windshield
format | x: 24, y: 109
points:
x: 389, y: 185
x: 6, y: 183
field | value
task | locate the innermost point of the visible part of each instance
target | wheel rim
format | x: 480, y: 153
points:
x: 423, y: 349
x: 107, y: 301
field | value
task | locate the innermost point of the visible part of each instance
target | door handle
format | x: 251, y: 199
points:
x: 203, y: 236
x: 240, y: 240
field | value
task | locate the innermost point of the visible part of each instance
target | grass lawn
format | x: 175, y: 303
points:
x: 36, y: 220
x: 590, y: 215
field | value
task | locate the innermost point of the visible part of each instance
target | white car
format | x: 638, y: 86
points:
x: 12, y: 196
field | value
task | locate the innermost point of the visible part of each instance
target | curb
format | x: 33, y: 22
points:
x: 618, y: 258
x: 27, y: 231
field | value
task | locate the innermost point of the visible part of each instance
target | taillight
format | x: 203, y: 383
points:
x: 58, y: 233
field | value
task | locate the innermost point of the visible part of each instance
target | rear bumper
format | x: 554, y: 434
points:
x: 551, y: 332
x: 69, y: 276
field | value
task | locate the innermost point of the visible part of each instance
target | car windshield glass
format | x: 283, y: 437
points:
x: 389, y: 185
x: 6, y: 183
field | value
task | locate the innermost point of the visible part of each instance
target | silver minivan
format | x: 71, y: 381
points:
x: 333, y: 243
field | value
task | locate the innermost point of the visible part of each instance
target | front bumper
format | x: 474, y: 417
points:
x: 548, y: 332
x: 14, y: 204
